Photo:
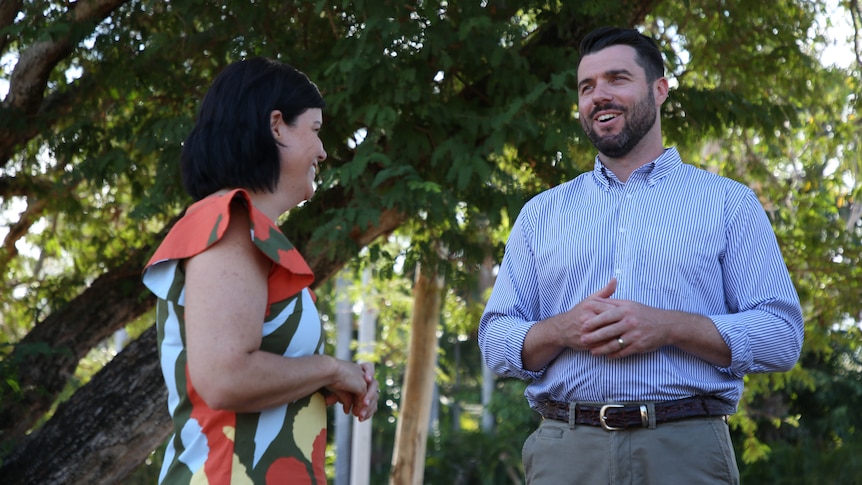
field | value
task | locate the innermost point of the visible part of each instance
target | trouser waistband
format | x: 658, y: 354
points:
x: 614, y: 416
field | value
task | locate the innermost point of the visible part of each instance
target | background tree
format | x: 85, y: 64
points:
x: 442, y: 118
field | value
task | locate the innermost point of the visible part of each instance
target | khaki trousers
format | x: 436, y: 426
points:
x: 686, y: 452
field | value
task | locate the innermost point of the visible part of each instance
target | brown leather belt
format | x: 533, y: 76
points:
x: 621, y: 416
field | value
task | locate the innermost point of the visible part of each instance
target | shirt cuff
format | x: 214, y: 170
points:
x: 734, y: 335
x: 515, y: 347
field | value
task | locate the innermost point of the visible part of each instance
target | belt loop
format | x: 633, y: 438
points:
x: 650, y: 407
x: 573, y: 409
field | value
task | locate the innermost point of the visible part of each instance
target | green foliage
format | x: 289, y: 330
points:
x: 828, y: 420
x: 453, y: 113
x: 758, y: 114
x: 9, y: 387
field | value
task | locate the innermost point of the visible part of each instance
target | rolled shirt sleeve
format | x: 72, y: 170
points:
x: 511, y: 309
x: 764, y: 328
x: 676, y: 238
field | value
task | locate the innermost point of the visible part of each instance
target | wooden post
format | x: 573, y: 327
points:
x: 486, y: 281
x: 343, y: 337
x: 411, y: 435
x: 360, y: 472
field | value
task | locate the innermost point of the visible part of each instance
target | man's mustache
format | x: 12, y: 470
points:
x: 606, y: 107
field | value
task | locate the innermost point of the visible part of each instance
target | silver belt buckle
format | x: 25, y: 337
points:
x: 603, y: 416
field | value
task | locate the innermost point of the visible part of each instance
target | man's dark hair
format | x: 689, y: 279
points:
x: 648, y: 55
x: 231, y: 145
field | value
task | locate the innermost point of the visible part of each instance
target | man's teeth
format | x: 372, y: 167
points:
x: 606, y: 117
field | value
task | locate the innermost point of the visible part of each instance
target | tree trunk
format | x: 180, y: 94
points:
x: 46, y: 358
x: 411, y: 435
x: 76, y: 440
x: 104, y: 431
x: 118, y: 296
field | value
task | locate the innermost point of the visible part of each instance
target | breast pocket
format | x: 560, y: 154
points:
x: 671, y: 261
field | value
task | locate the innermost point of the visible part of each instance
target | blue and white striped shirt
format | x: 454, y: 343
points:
x: 676, y: 237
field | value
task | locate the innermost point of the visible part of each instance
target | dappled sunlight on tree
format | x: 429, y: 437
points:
x: 442, y: 118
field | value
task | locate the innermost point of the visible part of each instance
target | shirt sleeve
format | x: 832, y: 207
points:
x: 513, y: 307
x: 764, y: 328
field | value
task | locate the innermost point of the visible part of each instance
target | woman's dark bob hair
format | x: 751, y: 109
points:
x: 231, y: 145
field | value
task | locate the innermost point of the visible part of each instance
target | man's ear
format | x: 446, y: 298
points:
x: 275, y: 123
x: 661, y: 90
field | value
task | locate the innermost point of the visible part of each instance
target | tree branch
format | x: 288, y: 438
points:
x: 30, y: 76
x: 127, y: 407
x: 856, y: 17
x: 8, y: 11
x: 129, y: 392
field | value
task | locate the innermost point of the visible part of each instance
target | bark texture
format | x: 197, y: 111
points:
x: 102, y: 433
x: 411, y: 435
x: 111, y: 425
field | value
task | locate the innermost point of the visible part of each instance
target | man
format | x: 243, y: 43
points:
x: 636, y: 297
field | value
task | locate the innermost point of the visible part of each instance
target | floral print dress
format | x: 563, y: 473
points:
x: 285, y: 444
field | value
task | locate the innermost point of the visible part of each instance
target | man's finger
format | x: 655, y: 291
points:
x: 608, y: 290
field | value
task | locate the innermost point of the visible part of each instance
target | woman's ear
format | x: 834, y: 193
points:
x: 275, y: 123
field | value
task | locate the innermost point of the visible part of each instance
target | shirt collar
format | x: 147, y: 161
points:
x: 654, y: 171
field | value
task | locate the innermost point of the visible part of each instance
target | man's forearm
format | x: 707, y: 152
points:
x: 541, y: 345
x: 697, y: 335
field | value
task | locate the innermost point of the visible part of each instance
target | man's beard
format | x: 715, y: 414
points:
x: 639, y: 121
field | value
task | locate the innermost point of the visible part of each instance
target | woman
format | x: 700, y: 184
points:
x: 240, y: 340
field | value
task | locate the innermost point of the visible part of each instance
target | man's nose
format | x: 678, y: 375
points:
x: 601, y: 93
